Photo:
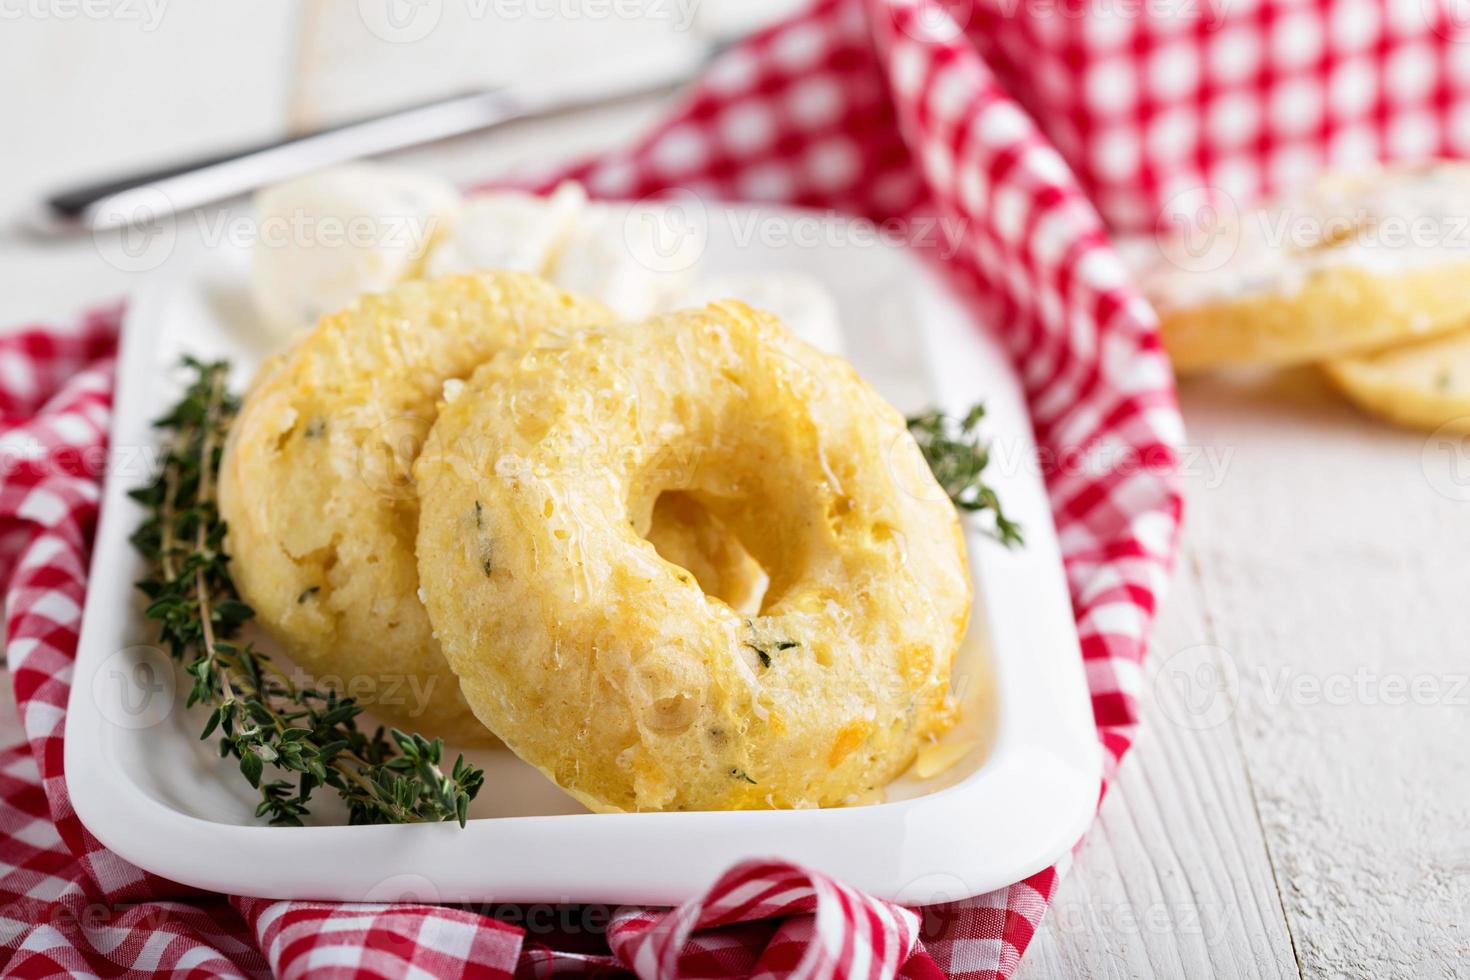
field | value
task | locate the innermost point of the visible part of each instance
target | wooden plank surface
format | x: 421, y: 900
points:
x: 1273, y: 827
x: 1331, y: 560
x: 1174, y: 880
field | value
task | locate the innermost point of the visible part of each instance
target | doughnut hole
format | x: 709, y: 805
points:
x: 686, y: 534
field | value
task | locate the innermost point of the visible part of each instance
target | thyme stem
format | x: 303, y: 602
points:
x: 262, y: 716
x: 958, y: 458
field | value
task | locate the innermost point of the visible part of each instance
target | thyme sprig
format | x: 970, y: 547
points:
x: 260, y: 715
x: 958, y: 458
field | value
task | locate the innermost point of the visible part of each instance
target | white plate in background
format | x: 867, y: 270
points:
x: 144, y: 784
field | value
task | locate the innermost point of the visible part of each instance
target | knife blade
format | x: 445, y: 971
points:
x: 159, y: 192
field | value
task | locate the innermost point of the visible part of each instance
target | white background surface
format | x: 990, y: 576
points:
x: 1294, y: 829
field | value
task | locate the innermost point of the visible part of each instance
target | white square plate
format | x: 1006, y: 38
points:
x: 145, y: 785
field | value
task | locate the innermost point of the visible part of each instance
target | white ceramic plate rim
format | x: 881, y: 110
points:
x: 1020, y: 811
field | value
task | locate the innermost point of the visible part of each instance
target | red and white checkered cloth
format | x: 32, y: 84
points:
x: 1018, y: 121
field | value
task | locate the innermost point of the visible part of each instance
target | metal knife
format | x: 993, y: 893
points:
x: 157, y: 193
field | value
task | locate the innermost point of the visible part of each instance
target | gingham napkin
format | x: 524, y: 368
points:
x: 1018, y: 121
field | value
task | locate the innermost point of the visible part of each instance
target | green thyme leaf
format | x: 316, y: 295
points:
x: 958, y: 458
x: 258, y: 713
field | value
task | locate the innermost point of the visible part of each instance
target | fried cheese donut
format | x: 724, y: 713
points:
x: 1424, y: 385
x: 1355, y: 263
x: 606, y: 666
x: 315, y: 482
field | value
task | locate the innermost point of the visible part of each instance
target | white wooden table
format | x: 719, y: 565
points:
x: 1298, y: 802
